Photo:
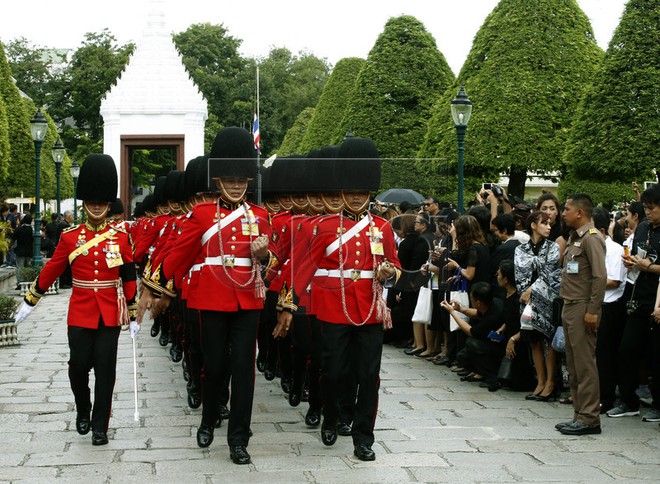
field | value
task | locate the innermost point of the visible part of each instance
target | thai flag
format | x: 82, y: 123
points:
x: 255, y: 133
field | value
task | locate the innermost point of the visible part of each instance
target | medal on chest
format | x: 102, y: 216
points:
x: 375, y: 240
x: 112, y: 254
x: 249, y: 225
x: 82, y: 238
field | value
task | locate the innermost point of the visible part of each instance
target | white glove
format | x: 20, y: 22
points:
x: 133, y: 328
x: 24, y: 312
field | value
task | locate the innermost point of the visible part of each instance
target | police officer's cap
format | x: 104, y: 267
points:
x: 98, y: 179
x: 233, y: 154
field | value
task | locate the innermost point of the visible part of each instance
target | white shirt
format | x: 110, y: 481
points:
x: 521, y: 236
x: 616, y: 271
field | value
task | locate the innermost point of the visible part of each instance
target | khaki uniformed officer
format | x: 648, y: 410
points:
x: 582, y: 288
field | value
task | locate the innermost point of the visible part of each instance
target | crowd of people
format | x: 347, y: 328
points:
x: 319, y: 278
x: 518, y: 262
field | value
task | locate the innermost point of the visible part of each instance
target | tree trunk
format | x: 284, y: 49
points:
x: 517, y: 179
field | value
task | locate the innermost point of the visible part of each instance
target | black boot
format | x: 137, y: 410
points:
x: 155, y: 329
x: 204, y: 435
x: 176, y: 353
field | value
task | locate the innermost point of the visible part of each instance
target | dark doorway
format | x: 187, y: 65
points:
x: 143, y: 159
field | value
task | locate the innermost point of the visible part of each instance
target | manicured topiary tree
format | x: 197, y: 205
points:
x: 21, y: 167
x: 325, y: 127
x: 395, y: 90
x: 525, y: 74
x: 616, y: 135
x: 293, y: 139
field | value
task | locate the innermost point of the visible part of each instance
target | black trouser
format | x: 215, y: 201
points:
x: 191, y: 346
x: 93, y: 348
x: 236, y: 332
x: 357, y: 350
x: 610, y: 331
x: 306, y: 342
x: 267, y: 322
x: 641, y: 336
x: 482, y: 356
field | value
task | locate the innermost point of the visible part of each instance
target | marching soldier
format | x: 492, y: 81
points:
x: 228, y: 242
x: 103, y: 297
x: 354, y: 253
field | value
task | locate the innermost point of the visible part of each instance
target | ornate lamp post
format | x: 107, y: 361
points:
x: 461, y: 109
x: 58, y: 153
x: 38, y: 129
x: 75, y: 172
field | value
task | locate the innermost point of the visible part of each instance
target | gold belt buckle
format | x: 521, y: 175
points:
x: 355, y: 274
x: 228, y: 261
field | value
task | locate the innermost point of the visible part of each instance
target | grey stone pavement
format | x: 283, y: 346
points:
x: 430, y: 427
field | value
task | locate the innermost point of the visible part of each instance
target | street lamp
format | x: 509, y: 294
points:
x: 58, y: 153
x: 38, y: 129
x: 75, y: 173
x: 461, y: 109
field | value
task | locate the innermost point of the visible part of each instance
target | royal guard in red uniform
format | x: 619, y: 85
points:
x: 354, y: 253
x: 103, y: 297
x: 116, y: 215
x: 228, y: 243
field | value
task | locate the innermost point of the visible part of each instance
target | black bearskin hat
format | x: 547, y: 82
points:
x: 325, y: 175
x: 174, y: 187
x: 98, y: 179
x: 116, y: 207
x: 148, y: 204
x: 232, y: 155
x: 359, y: 164
x: 159, y: 191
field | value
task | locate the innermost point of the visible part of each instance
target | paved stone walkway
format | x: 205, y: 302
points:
x: 431, y: 427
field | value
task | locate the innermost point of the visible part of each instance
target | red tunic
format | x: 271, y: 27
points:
x: 86, y: 306
x: 217, y: 287
x: 358, y: 261
x: 149, y: 236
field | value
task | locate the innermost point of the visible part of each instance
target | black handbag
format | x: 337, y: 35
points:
x: 557, y: 307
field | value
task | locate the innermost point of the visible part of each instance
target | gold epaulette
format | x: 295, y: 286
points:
x: 593, y: 231
x: 69, y: 229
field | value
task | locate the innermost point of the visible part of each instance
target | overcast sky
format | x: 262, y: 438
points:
x: 331, y: 29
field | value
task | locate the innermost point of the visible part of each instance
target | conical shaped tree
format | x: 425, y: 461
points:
x: 525, y: 74
x: 22, y: 165
x: 292, y: 139
x: 616, y: 135
x: 325, y: 127
x: 395, y: 91
x: 5, y: 149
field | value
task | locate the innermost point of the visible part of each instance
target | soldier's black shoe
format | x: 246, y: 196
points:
x: 313, y: 417
x: 328, y: 434
x: 294, y: 397
x: 155, y: 329
x: 261, y: 363
x: 194, y: 399
x: 286, y: 385
x: 204, y: 435
x: 223, y: 411
x: 163, y: 339
x: 239, y: 455
x: 344, y: 429
x: 99, y: 438
x: 176, y: 352
x: 83, y: 423
x: 186, y: 371
x: 269, y: 374
x: 364, y: 452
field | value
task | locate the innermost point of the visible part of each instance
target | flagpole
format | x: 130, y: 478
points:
x: 258, y: 151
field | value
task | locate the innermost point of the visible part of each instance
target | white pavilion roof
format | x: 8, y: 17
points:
x: 155, y: 80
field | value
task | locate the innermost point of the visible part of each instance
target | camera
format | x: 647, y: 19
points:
x: 497, y: 191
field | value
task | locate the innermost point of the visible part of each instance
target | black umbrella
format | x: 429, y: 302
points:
x: 398, y: 195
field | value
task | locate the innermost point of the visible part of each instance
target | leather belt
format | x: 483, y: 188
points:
x: 347, y: 274
x: 575, y: 301
x: 227, y: 261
